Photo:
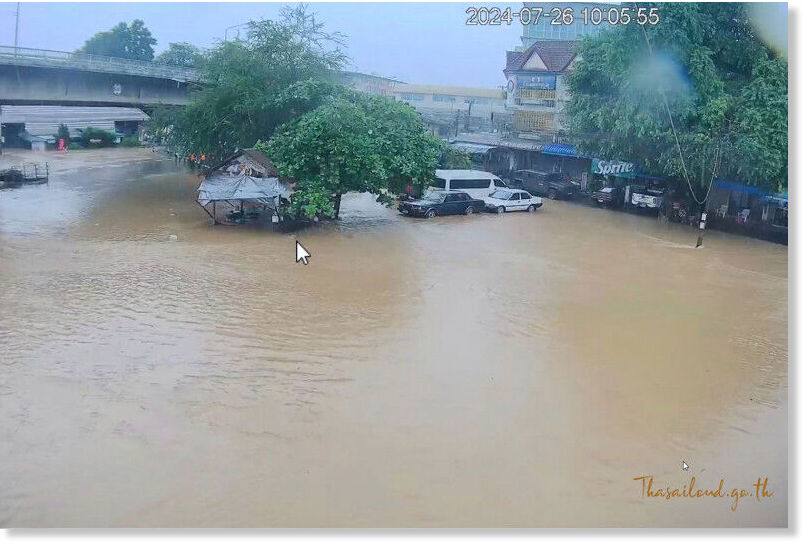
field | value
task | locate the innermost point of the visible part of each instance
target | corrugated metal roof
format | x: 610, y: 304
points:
x: 449, y: 90
x: 45, y: 120
x: 50, y: 114
x: 468, y: 147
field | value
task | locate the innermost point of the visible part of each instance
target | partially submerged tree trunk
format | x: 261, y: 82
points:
x: 337, y: 205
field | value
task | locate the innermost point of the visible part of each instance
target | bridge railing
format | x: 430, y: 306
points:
x: 94, y: 63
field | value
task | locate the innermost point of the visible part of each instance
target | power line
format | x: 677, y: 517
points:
x: 675, y: 134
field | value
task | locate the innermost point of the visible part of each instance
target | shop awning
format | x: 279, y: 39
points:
x: 779, y: 199
x: 563, y: 150
x: 28, y: 137
x: 468, y: 147
x: 740, y: 188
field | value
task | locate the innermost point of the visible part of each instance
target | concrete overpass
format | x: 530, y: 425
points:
x: 39, y: 76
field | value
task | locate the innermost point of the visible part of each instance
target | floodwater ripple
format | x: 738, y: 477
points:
x: 515, y: 370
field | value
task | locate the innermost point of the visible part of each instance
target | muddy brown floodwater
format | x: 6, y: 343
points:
x: 517, y: 370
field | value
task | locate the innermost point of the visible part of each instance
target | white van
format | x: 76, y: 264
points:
x: 477, y: 183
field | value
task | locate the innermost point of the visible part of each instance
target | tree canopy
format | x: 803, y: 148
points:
x: 281, y: 69
x: 125, y: 41
x: 726, y: 91
x: 353, y: 142
x: 181, y: 54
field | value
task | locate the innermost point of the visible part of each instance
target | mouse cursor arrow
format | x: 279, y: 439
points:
x: 301, y: 253
x: 685, y: 466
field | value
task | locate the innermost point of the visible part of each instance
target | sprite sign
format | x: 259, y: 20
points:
x: 613, y: 168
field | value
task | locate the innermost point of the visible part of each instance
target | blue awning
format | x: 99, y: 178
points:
x: 740, y: 188
x: 780, y: 199
x: 651, y: 177
x: 564, y: 150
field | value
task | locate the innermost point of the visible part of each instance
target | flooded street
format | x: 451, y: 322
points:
x: 516, y: 370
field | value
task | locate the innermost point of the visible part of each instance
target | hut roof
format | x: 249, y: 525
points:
x: 219, y: 187
x: 254, y: 156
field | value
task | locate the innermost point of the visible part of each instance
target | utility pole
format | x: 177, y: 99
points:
x: 17, y: 29
x: 16, y: 41
x: 226, y: 32
x: 701, y: 226
x: 469, y: 114
x: 715, y: 167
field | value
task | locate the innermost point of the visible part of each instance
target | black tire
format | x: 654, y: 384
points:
x: 469, y: 211
x: 532, y: 208
x: 551, y: 194
x: 501, y: 210
x: 430, y: 213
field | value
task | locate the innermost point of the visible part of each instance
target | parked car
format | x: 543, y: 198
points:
x: 441, y: 203
x: 477, y: 183
x: 553, y: 185
x: 610, y: 197
x: 510, y: 200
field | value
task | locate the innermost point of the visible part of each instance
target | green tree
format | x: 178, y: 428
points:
x: 92, y: 137
x: 124, y: 41
x: 181, y: 54
x: 357, y: 143
x: 726, y: 92
x: 281, y: 69
x: 455, y: 159
x: 63, y: 132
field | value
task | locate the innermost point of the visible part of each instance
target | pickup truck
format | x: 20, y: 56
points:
x: 642, y: 197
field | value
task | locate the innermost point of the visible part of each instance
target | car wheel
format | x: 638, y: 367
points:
x: 532, y: 208
x: 501, y: 210
x: 469, y: 211
x: 552, y: 194
x: 430, y: 213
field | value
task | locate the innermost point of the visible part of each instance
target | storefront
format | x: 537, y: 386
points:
x: 748, y: 210
x: 561, y: 157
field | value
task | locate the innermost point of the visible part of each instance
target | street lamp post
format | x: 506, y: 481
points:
x: 16, y: 29
x: 469, y: 114
x: 226, y: 32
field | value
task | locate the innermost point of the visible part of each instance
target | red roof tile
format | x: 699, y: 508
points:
x: 556, y: 55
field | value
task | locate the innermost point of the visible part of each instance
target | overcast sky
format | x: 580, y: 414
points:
x: 417, y: 43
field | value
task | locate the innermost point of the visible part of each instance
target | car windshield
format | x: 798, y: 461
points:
x: 607, y: 190
x: 433, y: 195
x: 502, y: 195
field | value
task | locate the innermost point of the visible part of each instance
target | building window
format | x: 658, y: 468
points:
x: 443, y: 98
x: 408, y: 96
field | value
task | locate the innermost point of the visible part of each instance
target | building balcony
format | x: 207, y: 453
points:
x: 536, y: 97
x: 530, y: 121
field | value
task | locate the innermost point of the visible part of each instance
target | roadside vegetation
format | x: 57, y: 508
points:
x: 181, y: 54
x: 277, y: 88
x: 91, y: 137
x: 703, y: 65
x: 354, y: 142
x: 123, y: 41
